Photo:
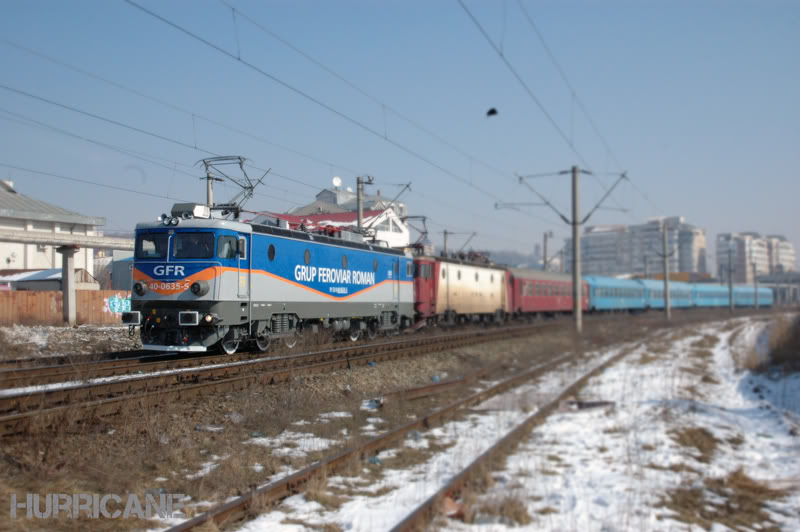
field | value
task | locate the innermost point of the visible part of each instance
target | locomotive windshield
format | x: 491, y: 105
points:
x: 151, y: 246
x: 193, y: 245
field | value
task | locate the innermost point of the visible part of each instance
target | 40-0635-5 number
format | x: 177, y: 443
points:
x: 176, y: 285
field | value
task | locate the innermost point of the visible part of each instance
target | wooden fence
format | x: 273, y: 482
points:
x: 98, y: 307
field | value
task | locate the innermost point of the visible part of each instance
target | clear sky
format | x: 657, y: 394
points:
x: 697, y: 101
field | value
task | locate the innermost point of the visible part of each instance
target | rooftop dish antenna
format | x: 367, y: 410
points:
x: 337, y: 181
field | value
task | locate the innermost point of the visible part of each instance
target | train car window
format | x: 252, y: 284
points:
x: 476, y: 276
x: 344, y: 261
x: 410, y: 269
x: 443, y: 272
x: 242, y: 248
x: 226, y: 247
x: 271, y: 252
x: 193, y: 245
x: 397, y: 268
x: 459, y: 275
x: 151, y: 246
x: 491, y: 278
x: 307, y: 257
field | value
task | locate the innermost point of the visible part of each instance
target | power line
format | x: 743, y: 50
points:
x: 361, y: 91
x: 174, y: 107
x: 317, y: 101
x: 132, y: 128
x: 580, y: 103
x: 87, y: 182
x: 530, y: 92
x: 25, y: 120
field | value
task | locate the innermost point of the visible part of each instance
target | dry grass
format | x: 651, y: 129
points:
x: 742, y: 508
x: 784, y: 342
x: 512, y: 511
x: 317, y: 490
x: 699, y: 438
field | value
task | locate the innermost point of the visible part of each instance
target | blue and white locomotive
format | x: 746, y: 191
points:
x: 200, y: 282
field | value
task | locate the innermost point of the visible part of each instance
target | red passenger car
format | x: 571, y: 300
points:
x: 536, y: 292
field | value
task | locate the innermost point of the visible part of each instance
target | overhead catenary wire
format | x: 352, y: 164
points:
x: 578, y: 100
x: 530, y: 93
x: 315, y: 100
x: 169, y: 105
x: 384, y: 106
x: 130, y: 153
x: 128, y: 126
x: 88, y: 182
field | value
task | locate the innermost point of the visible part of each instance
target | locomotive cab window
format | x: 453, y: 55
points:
x: 226, y: 247
x: 193, y: 245
x: 242, y: 249
x: 151, y: 246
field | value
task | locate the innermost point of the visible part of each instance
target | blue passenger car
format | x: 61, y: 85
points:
x: 608, y: 293
x: 709, y: 295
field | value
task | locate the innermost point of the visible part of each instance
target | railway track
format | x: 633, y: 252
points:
x: 41, y: 407
x: 295, y: 483
x: 40, y: 371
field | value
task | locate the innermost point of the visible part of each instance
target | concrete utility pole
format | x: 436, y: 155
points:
x: 68, y: 282
x: 547, y: 234
x: 666, y: 273
x: 577, y: 308
x: 360, y: 182
x: 360, y: 201
x: 576, y: 222
x: 755, y: 285
x: 730, y: 276
x: 446, y: 232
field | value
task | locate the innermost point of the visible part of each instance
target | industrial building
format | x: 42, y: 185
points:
x: 636, y: 249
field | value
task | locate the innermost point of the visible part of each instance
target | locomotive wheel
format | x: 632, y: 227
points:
x: 372, y: 330
x: 262, y: 342
x: 229, y: 347
x: 354, y: 335
x: 291, y: 341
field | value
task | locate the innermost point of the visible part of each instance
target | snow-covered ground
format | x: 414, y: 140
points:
x: 24, y: 341
x: 689, y: 442
x: 684, y: 423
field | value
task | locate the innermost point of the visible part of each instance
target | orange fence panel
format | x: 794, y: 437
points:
x: 29, y: 307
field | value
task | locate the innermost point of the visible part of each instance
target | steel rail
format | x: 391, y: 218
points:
x: 89, y: 406
x: 424, y: 513
x: 296, y: 482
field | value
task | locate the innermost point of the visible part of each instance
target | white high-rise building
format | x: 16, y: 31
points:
x: 781, y: 254
x: 747, y: 254
x: 637, y: 249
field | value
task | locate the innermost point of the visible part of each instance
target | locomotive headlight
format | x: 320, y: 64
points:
x: 140, y: 289
x: 174, y: 220
x: 165, y: 219
x: 208, y: 318
x: 199, y: 288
